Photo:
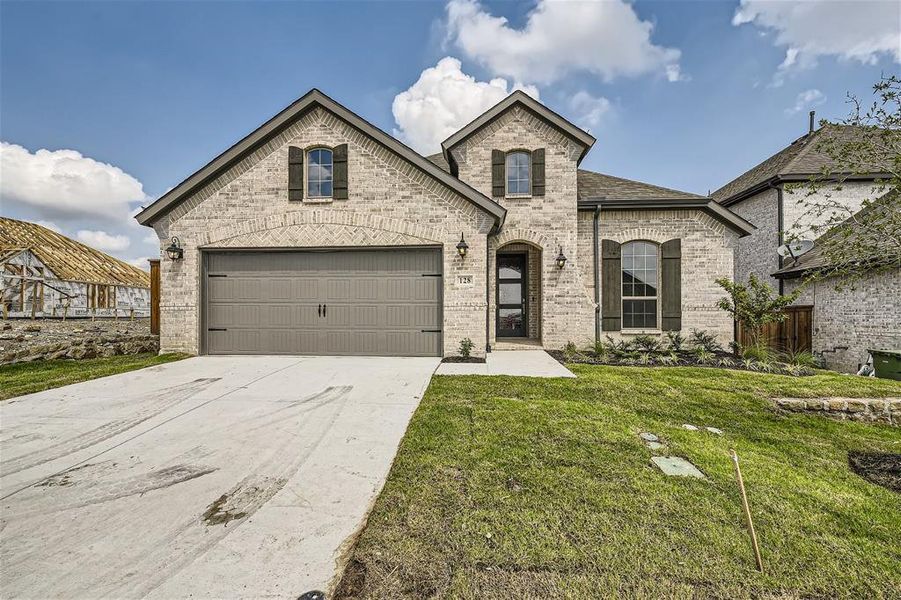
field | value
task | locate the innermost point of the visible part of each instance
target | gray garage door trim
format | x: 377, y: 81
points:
x: 329, y: 301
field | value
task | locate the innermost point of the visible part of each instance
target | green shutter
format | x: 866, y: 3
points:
x: 538, y: 172
x: 611, y: 286
x: 339, y: 172
x: 671, y: 285
x: 498, y: 168
x: 295, y: 173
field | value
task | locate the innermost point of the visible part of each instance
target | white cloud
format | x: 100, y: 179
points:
x: 443, y: 100
x: 862, y: 31
x: 63, y: 184
x: 50, y: 225
x: 806, y: 99
x: 604, y: 37
x: 588, y: 109
x: 140, y: 262
x: 102, y: 240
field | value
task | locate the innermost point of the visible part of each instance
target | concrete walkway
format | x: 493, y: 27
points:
x: 219, y: 477
x: 519, y: 363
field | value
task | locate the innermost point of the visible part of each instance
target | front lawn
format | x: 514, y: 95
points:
x: 524, y: 488
x: 27, y: 378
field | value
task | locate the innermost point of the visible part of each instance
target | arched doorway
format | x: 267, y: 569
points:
x: 518, y: 292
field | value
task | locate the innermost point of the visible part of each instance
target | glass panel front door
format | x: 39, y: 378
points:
x: 511, y: 295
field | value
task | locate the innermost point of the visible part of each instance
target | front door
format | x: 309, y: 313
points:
x: 511, y: 295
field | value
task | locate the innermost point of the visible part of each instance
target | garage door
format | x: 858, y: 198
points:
x: 362, y: 302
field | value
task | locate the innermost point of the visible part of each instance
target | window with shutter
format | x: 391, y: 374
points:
x: 639, y: 281
x: 497, y: 174
x: 519, y: 174
x: 319, y: 173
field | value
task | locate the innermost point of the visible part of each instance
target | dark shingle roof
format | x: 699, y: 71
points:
x: 593, y: 186
x: 804, y: 156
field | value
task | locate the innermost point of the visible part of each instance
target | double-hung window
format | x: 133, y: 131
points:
x: 639, y: 260
x: 319, y: 173
x: 519, y: 174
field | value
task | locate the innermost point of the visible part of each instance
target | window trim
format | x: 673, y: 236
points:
x: 306, y: 172
x: 507, y: 192
x: 656, y: 297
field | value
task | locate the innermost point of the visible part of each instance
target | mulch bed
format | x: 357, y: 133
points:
x: 462, y: 359
x: 878, y: 468
x: 685, y: 360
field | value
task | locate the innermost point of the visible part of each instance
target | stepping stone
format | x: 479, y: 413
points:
x: 655, y: 445
x: 676, y: 466
x: 649, y: 437
x: 714, y: 430
x: 689, y: 427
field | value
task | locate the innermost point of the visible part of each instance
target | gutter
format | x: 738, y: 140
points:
x: 597, y: 291
x: 708, y: 205
x: 797, y: 178
x: 780, y: 226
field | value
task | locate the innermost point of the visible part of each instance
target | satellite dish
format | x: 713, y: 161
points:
x: 795, y: 249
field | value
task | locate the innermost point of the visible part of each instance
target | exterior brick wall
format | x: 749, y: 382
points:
x: 547, y: 222
x: 796, y: 205
x: 708, y: 249
x: 757, y: 252
x: 850, y: 321
x: 390, y: 203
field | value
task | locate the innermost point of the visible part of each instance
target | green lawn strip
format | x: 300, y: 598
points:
x: 512, y: 488
x: 27, y: 378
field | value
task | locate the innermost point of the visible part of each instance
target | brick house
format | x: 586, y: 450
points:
x: 841, y: 322
x: 320, y: 234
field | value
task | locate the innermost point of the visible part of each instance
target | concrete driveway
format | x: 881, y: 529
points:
x: 210, y: 477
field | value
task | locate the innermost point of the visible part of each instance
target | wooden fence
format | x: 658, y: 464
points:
x: 794, y: 334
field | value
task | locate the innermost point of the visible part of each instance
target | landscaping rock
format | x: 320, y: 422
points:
x: 886, y: 410
x: 648, y: 437
x: 714, y: 430
x: 689, y: 427
x: 57, y: 339
x: 655, y: 446
x: 676, y: 466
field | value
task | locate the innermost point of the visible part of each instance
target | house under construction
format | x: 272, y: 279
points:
x: 45, y: 274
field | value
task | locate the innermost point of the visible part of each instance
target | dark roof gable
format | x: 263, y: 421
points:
x: 796, y: 162
x: 312, y: 99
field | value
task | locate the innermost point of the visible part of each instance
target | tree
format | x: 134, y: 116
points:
x: 754, y: 305
x: 853, y: 242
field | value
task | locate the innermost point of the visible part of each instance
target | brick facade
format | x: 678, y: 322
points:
x: 391, y: 203
x: 848, y: 322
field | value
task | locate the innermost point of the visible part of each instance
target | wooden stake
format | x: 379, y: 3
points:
x: 747, y: 509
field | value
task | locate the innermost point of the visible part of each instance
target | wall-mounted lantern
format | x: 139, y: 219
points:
x: 560, y: 261
x: 462, y: 247
x: 174, y: 251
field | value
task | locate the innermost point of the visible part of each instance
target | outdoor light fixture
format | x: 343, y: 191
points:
x: 174, y: 251
x: 561, y: 259
x: 462, y: 247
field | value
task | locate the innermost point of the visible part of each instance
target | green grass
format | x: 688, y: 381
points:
x: 27, y: 378
x: 526, y: 488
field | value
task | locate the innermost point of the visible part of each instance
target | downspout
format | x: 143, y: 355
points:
x: 780, y: 224
x: 488, y: 293
x: 597, y: 291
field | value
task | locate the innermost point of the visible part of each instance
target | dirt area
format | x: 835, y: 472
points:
x: 27, y: 340
x: 881, y: 469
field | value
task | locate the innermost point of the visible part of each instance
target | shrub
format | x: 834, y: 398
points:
x: 646, y: 343
x: 619, y: 349
x: 702, y: 340
x: 754, y: 305
x: 466, y: 347
x: 801, y: 358
x: 675, y: 341
x: 703, y: 355
x: 570, y: 350
x: 599, y: 349
x: 758, y: 352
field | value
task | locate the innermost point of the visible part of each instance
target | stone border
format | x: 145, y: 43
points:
x: 883, y: 410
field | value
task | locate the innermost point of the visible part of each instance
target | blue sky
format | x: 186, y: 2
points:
x: 682, y: 94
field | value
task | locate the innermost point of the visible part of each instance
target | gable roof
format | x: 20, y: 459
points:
x: 796, y: 162
x: 577, y: 134
x: 312, y: 99
x: 854, y: 231
x: 69, y: 260
x: 606, y: 192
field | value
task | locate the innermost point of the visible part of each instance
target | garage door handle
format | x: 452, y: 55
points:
x: 324, y: 308
x: 319, y: 310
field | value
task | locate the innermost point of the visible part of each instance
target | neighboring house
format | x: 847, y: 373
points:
x: 842, y: 324
x: 46, y: 274
x: 320, y: 234
x: 850, y: 317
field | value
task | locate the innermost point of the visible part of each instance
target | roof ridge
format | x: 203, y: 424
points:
x: 653, y: 185
x: 808, y: 145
